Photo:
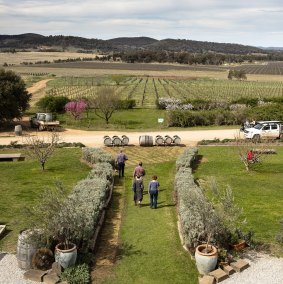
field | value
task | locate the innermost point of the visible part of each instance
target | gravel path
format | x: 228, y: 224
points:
x: 10, y: 273
x: 263, y: 269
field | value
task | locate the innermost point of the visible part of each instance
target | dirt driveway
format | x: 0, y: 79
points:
x: 96, y: 138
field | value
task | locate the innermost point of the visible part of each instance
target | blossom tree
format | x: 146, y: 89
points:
x: 76, y: 108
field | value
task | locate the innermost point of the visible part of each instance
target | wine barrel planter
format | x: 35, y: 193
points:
x: 206, y: 261
x: 25, y: 250
x: 159, y: 140
x: 168, y: 140
x: 125, y: 140
x: 146, y: 140
x: 107, y: 141
x: 66, y: 257
x: 18, y: 130
x: 176, y: 140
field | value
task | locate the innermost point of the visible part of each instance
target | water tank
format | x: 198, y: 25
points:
x: 48, y: 117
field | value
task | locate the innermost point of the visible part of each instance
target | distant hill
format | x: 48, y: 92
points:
x: 40, y: 42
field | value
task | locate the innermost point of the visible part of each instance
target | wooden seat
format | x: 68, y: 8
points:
x: 11, y: 157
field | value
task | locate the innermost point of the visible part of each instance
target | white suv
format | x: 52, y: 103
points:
x: 264, y: 130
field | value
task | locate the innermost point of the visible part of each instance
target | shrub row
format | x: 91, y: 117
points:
x: 88, y: 198
x: 96, y: 155
x: 196, y: 214
x: 179, y: 118
x: 187, y: 118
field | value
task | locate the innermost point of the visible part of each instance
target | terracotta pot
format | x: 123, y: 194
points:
x: 240, y: 245
x: 206, y: 261
x: 66, y: 257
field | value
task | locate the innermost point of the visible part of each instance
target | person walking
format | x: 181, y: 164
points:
x: 138, y: 190
x: 121, y: 159
x: 139, y: 170
x: 153, y: 189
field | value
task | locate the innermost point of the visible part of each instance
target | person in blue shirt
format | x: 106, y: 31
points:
x: 153, y: 189
x: 121, y: 159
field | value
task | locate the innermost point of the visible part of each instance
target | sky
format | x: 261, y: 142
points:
x: 248, y: 22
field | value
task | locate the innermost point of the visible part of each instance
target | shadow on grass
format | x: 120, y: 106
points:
x: 128, y: 250
x: 159, y: 204
x: 197, y: 162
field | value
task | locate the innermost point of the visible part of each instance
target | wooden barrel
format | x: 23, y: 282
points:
x: 116, y: 141
x: 168, y: 140
x: 125, y: 140
x: 18, y: 130
x: 146, y: 140
x: 159, y: 140
x: 25, y: 250
x: 176, y: 140
x: 107, y: 141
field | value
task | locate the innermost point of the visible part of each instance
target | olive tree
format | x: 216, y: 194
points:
x: 14, y: 98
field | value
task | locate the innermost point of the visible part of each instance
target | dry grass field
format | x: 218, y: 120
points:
x: 99, y: 68
x: 32, y: 56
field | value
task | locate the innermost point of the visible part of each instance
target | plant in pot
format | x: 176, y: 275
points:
x: 206, y: 254
x: 231, y: 216
x: 54, y: 216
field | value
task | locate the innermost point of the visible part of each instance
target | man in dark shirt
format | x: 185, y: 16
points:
x: 121, y: 159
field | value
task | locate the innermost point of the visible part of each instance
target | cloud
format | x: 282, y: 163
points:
x: 247, y: 22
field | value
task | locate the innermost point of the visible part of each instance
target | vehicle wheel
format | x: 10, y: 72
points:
x: 256, y: 138
x: 40, y: 128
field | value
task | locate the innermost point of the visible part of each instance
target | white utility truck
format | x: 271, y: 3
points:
x: 264, y: 130
x: 44, y: 121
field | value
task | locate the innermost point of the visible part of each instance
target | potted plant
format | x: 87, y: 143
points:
x: 206, y: 254
x: 65, y: 250
x: 239, y: 240
x: 54, y: 215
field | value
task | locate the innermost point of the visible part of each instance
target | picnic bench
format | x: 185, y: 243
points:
x: 11, y: 157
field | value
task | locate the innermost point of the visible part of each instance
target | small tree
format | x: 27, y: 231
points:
x: 52, y: 103
x: 106, y: 103
x: 260, y: 151
x: 14, y: 98
x: 76, y: 108
x: 42, y: 148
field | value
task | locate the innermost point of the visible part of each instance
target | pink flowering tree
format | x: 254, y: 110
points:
x: 76, y: 108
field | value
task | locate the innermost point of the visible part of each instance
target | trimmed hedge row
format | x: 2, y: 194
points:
x: 96, y: 155
x: 90, y: 194
x: 196, y: 214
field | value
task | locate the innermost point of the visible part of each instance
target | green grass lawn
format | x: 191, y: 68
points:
x: 135, y: 119
x: 151, y: 250
x: 130, y: 120
x: 22, y: 183
x: 258, y: 192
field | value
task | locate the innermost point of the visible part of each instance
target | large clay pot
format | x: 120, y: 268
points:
x: 66, y: 257
x: 206, y: 261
